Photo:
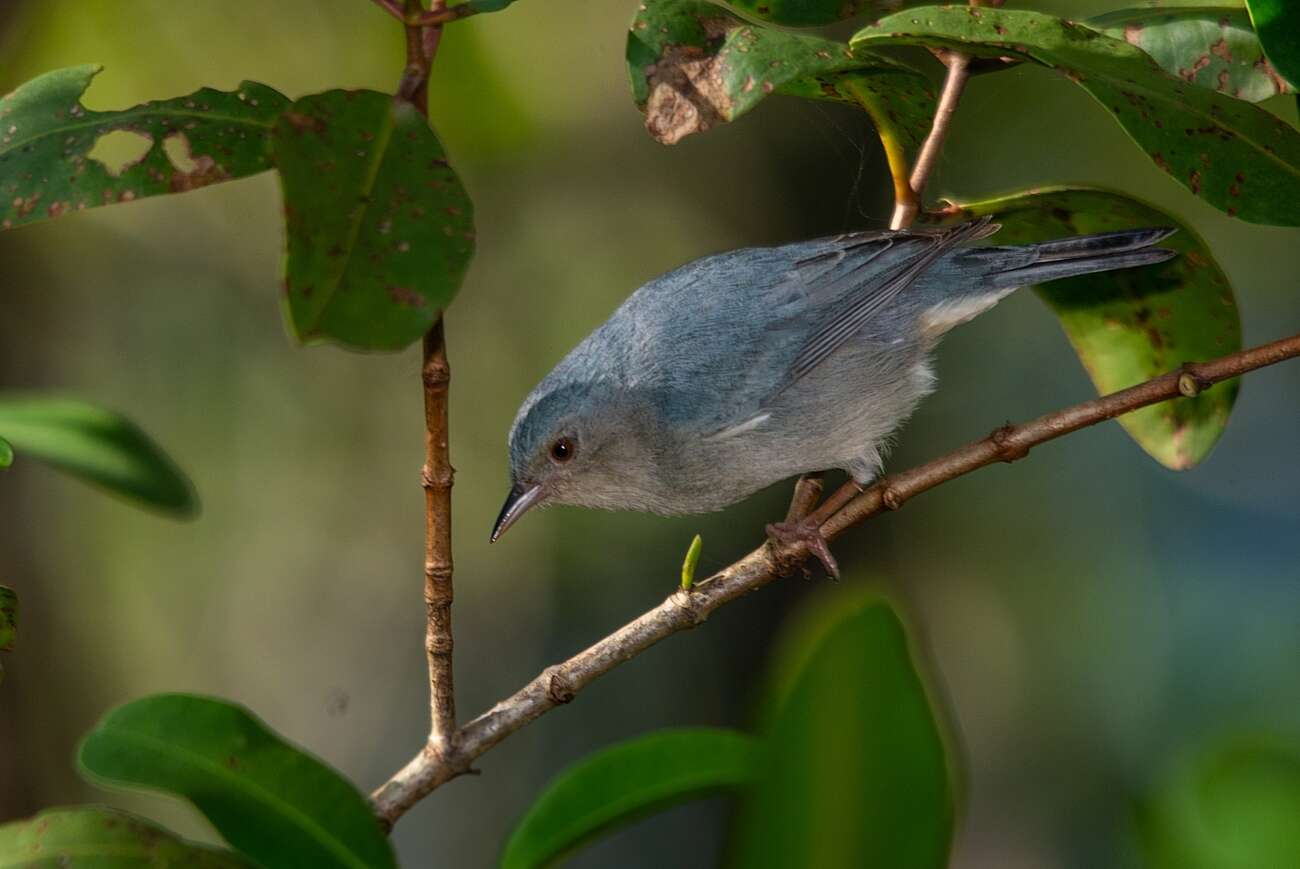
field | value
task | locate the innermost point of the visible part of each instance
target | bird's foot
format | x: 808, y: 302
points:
x: 808, y: 532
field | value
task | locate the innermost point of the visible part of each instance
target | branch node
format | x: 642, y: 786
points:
x: 1007, y: 450
x: 891, y: 497
x: 445, y: 480
x: 1190, y: 383
x: 559, y: 687
x: 693, y: 615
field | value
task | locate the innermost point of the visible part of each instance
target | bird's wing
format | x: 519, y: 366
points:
x: 858, y: 276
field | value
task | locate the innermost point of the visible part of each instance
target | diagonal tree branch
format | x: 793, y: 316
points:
x: 908, y: 192
x: 559, y: 684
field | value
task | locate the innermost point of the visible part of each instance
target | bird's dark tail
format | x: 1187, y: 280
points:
x: 1006, y: 268
x: 969, y: 281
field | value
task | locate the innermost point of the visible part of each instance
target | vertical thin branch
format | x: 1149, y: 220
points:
x: 907, y: 206
x: 437, y: 480
x: 435, y: 376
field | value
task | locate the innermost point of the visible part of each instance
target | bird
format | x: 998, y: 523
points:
x: 744, y: 368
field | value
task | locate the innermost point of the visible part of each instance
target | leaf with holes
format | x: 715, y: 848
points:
x: 1278, y: 24
x: 1129, y: 326
x: 48, y: 139
x: 91, y: 836
x: 98, y: 446
x: 1211, y: 47
x: 8, y: 624
x: 1234, y: 155
x: 855, y: 771
x: 270, y: 800
x: 625, y: 782
x: 814, y: 13
x: 693, y: 66
x: 379, y: 229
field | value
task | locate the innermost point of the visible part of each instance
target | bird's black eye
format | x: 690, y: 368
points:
x: 563, y: 450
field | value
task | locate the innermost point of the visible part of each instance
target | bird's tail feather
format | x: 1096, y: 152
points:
x: 972, y: 280
x: 1051, y: 270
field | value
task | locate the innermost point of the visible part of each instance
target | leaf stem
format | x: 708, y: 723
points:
x: 908, y: 204
x: 559, y: 684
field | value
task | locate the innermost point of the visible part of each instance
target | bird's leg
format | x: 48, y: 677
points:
x: 803, y: 525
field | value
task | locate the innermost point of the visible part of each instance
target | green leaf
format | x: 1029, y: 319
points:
x: 47, y: 137
x: 624, y: 782
x: 98, y: 446
x: 1234, y: 807
x: 693, y: 66
x: 101, y: 838
x: 1234, y: 155
x: 270, y: 800
x: 1211, y: 47
x: 380, y: 230
x: 1278, y: 24
x: 855, y: 772
x: 1132, y: 325
x: 8, y: 624
x: 813, y: 13
x: 6, y: 454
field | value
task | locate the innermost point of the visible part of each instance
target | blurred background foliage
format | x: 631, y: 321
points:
x: 1093, y: 620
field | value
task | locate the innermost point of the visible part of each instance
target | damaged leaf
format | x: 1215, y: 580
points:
x: 1211, y: 47
x: 1234, y: 155
x: 1129, y: 326
x: 815, y: 13
x: 8, y: 625
x: 91, y: 836
x: 98, y: 446
x: 693, y: 66
x: 379, y: 229
x: 1278, y: 24
x: 47, y: 136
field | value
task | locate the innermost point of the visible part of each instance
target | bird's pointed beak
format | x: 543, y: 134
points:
x: 517, y: 503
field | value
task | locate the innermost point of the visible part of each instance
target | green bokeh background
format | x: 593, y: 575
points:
x: 1091, y: 617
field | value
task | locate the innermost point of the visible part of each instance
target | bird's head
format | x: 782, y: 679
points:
x: 579, y: 443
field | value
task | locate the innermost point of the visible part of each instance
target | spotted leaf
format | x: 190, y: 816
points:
x: 693, y: 65
x: 1211, y: 47
x: 379, y: 229
x: 1129, y: 326
x: 814, y: 13
x: 1278, y: 25
x: 1234, y: 155
x: 48, y: 145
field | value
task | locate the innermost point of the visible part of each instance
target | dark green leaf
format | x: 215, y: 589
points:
x: 8, y: 624
x: 8, y: 618
x: 1211, y: 47
x: 855, y: 771
x: 624, y: 782
x: 1232, y: 808
x: 47, y: 136
x: 1278, y: 24
x: 693, y: 66
x: 1234, y: 155
x: 99, y: 838
x: 99, y: 446
x: 814, y: 13
x: 6, y: 454
x: 380, y: 230
x: 1132, y: 325
x: 270, y: 800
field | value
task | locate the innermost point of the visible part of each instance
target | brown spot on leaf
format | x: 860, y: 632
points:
x: 404, y: 296
x: 1221, y: 49
x: 687, y: 91
x: 1133, y: 33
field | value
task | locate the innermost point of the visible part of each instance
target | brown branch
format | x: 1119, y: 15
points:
x: 559, y: 684
x: 907, y: 196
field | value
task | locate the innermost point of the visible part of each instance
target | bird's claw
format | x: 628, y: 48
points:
x: 808, y: 532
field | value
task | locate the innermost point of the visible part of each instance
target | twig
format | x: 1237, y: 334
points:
x: 559, y: 684
x: 392, y: 7
x: 908, y: 204
x: 437, y: 474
